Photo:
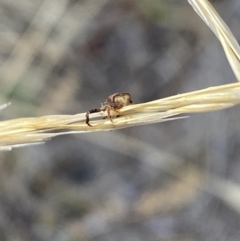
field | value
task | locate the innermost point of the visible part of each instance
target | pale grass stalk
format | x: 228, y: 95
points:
x: 33, y: 130
x: 230, y: 45
x: 28, y: 131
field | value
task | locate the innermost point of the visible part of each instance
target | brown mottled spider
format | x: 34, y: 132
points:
x: 113, y: 102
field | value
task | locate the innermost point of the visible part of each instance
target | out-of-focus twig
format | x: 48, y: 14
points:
x: 3, y: 106
x: 30, y: 42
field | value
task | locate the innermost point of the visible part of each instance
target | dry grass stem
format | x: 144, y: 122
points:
x: 28, y: 131
x: 230, y: 45
x: 34, y: 130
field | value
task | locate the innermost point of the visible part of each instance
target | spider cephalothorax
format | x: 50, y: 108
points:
x: 114, y: 102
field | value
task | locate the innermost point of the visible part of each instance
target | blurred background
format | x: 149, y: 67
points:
x: 173, y: 181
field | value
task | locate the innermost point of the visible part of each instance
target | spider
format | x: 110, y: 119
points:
x: 113, y: 102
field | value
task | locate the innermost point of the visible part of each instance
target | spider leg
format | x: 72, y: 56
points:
x: 114, y: 107
x: 87, y: 119
x: 89, y: 112
x: 109, y: 115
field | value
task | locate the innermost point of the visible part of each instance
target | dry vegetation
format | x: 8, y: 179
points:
x: 110, y: 185
x: 24, y: 131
